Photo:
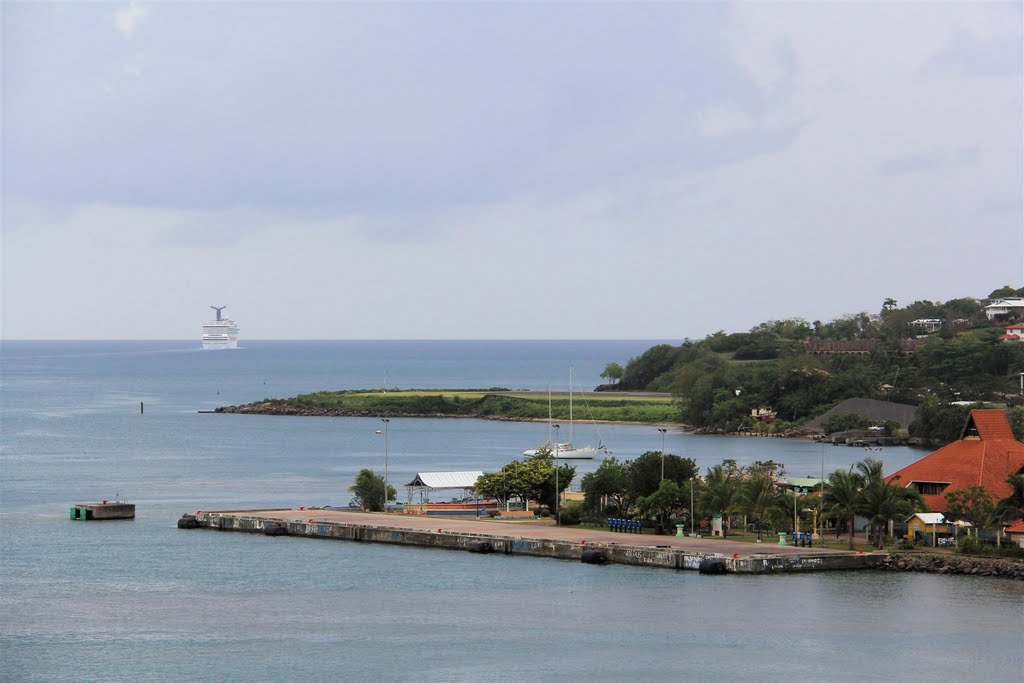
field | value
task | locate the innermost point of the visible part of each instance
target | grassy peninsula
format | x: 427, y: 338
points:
x: 494, y: 404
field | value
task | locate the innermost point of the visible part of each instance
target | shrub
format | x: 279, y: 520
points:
x: 845, y: 422
x: 572, y: 514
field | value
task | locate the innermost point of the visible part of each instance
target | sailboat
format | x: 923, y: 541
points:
x: 566, y: 450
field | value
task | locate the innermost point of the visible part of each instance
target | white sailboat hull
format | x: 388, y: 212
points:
x: 571, y: 453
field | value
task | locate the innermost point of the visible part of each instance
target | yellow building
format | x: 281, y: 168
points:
x: 928, y: 527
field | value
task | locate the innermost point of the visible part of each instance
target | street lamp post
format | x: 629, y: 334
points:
x: 821, y: 498
x: 692, y: 511
x: 660, y: 429
x: 385, y: 420
x: 558, y: 508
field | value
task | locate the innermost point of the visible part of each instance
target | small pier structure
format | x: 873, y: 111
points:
x: 537, y: 539
x: 103, y: 510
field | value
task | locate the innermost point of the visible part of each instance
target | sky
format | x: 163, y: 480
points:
x: 477, y: 170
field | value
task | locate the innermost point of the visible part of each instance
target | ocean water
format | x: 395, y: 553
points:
x: 142, y: 600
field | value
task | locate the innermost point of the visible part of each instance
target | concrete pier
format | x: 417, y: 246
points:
x: 535, y: 538
x: 104, y: 510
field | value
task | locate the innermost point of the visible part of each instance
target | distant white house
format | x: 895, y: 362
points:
x: 927, y: 324
x: 1007, y: 306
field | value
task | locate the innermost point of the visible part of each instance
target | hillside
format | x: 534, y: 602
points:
x: 793, y: 371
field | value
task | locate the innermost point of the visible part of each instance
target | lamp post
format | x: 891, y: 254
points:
x: 660, y: 429
x: 385, y: 420
x: 692, y: 511
x: 821, y: 498
x: 558, y: 508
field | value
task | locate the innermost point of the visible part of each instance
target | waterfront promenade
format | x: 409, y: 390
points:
x: 539, y: 538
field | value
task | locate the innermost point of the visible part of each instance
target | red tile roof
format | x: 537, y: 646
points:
x: 1017, y: 527
x: 985, y: 455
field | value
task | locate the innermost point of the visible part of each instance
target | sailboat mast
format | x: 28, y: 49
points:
x: 550, y: 442
x: 570, y: 406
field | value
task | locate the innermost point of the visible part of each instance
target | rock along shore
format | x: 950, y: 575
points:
x: 1006, y: 568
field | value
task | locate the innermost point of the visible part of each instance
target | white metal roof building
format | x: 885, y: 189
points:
x: 445, y: 480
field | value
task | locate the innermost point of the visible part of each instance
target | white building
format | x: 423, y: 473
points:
x: 928, y: 324
x: 1007, y: 306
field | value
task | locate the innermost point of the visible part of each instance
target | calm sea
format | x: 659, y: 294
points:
x: 141, y: 600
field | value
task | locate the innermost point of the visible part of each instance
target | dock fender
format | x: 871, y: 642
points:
x: 273, y: 529
x: 480, y: 547
x: 713, y: 565
x: 188, y: 521
x: 593, y: 557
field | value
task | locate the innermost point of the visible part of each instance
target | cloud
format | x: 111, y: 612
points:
x: 126, y: 19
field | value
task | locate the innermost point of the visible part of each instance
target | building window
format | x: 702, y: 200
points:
x: 929, y: 488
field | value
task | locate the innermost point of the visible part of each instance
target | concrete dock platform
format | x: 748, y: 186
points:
x: 536, y: 538
x: 104, y: 510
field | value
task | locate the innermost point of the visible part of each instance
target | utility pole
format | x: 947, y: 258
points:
x: 660, y: 429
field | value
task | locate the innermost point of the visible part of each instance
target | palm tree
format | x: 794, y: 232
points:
x: 721, y: 492
x: 881, y: 502
x: 871, y: 470
x: 843, y: 497
x: 757, y: 497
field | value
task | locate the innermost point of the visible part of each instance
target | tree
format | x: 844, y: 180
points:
x: 608, y: 481
x: 612, y: 371
x: 368, y: 490
x: 938, y: 422
x: 883, y: 502
x: 643, y: 475
x: 758, y: 497
x: 889, y: 304
x: 666, y: 502
x: 721, y: 492
x: 1012, y: 507
x: 973, y: 505
x: 644, y: 369
x: 843, y: 497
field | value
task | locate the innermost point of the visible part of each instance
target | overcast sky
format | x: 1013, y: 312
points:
x: 483, y: 170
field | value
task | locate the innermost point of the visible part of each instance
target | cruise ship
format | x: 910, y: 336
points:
x: 221, y: 333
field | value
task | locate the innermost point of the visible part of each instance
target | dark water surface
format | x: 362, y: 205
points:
x: 141, y: 600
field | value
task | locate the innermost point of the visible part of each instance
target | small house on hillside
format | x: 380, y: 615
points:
x: 985, y: 455
x: 1014, y: 333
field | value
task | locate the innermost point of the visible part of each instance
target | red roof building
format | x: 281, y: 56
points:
x: 985, y: 455
x: 1013, y: 333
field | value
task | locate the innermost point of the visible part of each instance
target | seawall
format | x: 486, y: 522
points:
x: 535, y: 540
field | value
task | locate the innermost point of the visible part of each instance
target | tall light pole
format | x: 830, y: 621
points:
x: 558, y: 508
x: 692, y: 511
x: 660, y: 429
x: 821, y: 499
x: 385, y: 420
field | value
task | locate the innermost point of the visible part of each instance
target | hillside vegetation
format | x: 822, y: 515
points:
x: 800, y: 369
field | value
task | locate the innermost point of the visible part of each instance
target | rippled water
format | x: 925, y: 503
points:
x: 142, y: 600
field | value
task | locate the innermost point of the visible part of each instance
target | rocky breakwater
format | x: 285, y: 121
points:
x: 954, y: 564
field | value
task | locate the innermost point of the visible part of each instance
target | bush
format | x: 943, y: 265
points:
x: 572, y: 514
x: 845, y: 422
x: 970, y: 545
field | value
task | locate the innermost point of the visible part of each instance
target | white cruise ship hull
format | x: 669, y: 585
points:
x: 220, y: 341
